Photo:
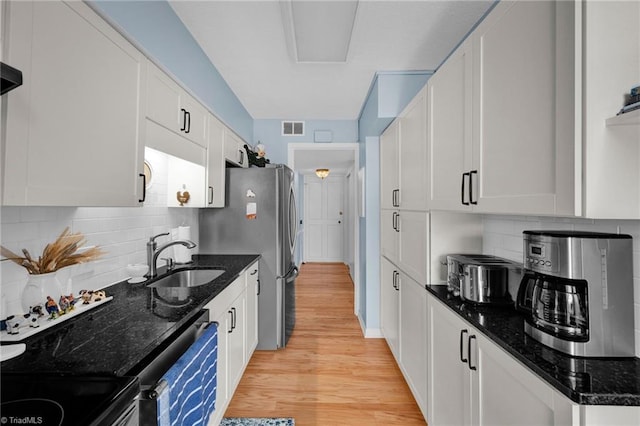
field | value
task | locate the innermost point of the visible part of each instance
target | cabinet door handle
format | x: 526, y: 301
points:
x: 471, y: 367
x: 210, y: 195
x: 188, y: 120
x: 394, y: 280
x: 184, y: 119
x: 397, y: 281
x: 258, y: 293
x: 231, y: 313
x: 241, y: 156
x: 397, y: 227
x: 462, y: 191
x: 255, y: 271
x: 395, y: 198
x: 233, y: 319
x: 393, y: 220
x: 462, y: 333
x: 144, y: 188
x: 471, y: 200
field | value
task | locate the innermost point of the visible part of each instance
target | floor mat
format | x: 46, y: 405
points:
x: 248, y: 421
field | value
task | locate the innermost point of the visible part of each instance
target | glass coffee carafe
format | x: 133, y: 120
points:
x: 559, y: 307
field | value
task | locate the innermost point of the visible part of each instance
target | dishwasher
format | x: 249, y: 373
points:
x: 152, y: 368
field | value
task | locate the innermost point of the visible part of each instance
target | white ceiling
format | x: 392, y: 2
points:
x: 249, y: 43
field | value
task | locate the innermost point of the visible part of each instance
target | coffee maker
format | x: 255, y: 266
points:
x: 577, y: 292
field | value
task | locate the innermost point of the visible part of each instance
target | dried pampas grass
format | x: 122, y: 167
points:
x: 64, y: 251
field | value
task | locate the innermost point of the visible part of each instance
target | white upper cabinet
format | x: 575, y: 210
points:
x: 413, y: 155
x: 234, y: 151
x: 403, y: 158
x: 523, y: 111
x: 520, y: 116
x: 449, y: 130
x: 170, y: 106
x: 215, y: 164
x: 389, y: 177
x: 74, y: 131
x: 502, y: 117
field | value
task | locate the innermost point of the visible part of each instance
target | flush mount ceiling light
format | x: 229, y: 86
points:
x: 322, y: 173
x: 318, y: 31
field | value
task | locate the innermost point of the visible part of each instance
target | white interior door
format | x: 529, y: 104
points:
x: 324, y: 219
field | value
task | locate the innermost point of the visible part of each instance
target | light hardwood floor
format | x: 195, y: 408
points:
x: 328, y: 374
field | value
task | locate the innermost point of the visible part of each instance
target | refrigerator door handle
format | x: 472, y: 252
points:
x: 291, y: 274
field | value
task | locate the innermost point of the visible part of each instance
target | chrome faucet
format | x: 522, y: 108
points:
x: 153, y: 251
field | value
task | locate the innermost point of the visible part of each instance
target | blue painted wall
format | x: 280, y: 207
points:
x: 157, y: 30
x: 370, y: 236
x: 395, y: 91
x: 269, y: 133
x: 369, y: 123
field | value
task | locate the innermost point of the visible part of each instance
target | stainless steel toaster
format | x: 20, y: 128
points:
x: 483, y: 279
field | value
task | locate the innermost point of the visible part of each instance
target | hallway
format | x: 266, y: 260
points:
x: 328, y: 374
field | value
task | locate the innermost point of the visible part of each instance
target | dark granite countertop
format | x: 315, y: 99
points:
x: 114, y: 338
x: 587, y: 381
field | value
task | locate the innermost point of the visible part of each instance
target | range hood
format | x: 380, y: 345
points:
x: 11, y: 78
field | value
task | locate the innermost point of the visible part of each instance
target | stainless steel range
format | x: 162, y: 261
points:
x: 577, y: 292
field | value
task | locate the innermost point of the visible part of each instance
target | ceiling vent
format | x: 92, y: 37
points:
x: 318, y: 31
x: 293, y: 128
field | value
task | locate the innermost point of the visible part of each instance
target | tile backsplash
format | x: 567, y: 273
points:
x: 502, y: 237
x: 121, y: 232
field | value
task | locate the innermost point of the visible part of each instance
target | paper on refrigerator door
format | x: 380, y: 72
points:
x: 252, y: 211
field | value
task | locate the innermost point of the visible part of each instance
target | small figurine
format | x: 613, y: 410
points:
x: 52, y: 308
x: 14, y: 322
x: 89, y: 296
x: 65, y: 304
x: 37, y: 310
x: 256, y: 158
x: 183, y: 196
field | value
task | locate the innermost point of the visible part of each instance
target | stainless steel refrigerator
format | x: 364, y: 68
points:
x: 260, y: 217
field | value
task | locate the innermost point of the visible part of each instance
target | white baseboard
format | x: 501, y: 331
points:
x: 373, y: 333
x: 369, y: 333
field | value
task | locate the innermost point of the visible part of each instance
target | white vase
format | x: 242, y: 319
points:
x: 38, y: 288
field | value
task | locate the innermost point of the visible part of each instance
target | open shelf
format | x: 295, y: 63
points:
x: 628, y: 118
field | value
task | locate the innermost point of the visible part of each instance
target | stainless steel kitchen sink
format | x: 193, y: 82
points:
x: 188, y: 278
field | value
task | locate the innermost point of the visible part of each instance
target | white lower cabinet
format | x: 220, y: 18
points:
x: 448, y: 400
x: 474, y: 382
x: 253, y: 290
x: 389, y: 305
x: 413, y: 338
x: 236, y: 339
x: 404, y: 313
x: 235, y: 310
